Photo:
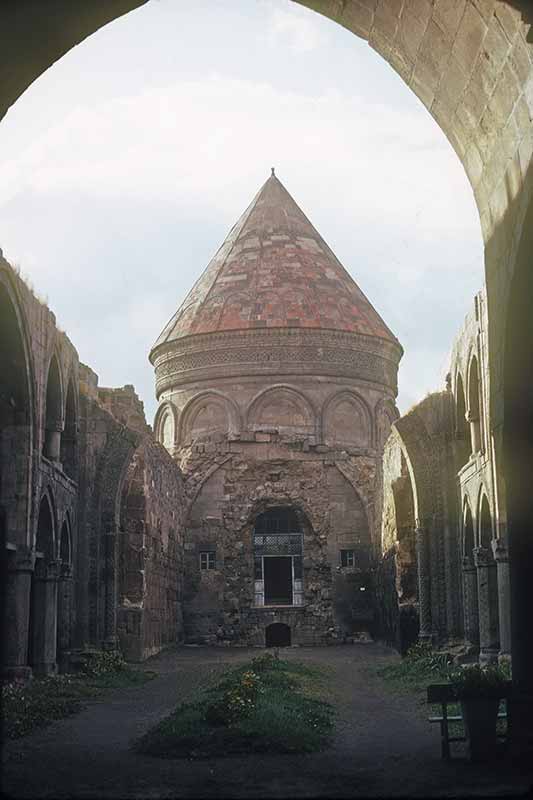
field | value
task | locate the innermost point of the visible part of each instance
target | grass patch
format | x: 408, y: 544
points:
x: 44, y: 700
x: 413, y: 674
x: 267, y: 705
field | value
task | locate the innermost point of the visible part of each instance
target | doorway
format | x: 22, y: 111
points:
x: 278, y: 580
x: 277, y: 635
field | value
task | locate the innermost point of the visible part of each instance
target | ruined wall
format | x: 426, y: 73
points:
x: 229, y: 484
x: 65, y: 448
x: 150, y: 554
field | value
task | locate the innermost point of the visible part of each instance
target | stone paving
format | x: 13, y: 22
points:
x: 383, y: 746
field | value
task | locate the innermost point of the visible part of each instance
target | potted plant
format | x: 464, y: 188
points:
x: 479, y: 690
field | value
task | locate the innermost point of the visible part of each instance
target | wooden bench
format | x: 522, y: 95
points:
x: 443, y: 694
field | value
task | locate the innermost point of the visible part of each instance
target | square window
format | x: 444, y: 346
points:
x: 207, y: 559
x: 347, y: 558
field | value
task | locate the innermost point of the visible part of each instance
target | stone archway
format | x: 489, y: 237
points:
x: 42, y: 650
x: 277, y: 635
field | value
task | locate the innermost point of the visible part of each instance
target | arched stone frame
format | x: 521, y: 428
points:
x: 474, y: 396
x: 354, y: 398
x: 65, y: 592
x: 19, y: 437
x: 261, y: 399
x: 199, y: 401
x: 462, y: 434
x: 501, y: 184
x: 487, y: 576
x: 387, y: 407
x: 166, y: 409
x: 69, y: 436
x: 103, y: 545
x: 53, y: 409
x: 42, y: 628
x: 404, y: 515
x: 469, y: 572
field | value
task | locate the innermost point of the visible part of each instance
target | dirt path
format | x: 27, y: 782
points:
x: 383, y: 747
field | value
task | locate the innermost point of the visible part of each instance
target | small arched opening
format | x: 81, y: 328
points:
x: 43, y: 596
x: 487, y: 585
x: 64, y: 598
x: 474, y: 406
x: 53, y: 417
x: 278, y: 548
x: 69, y: 438
x: 470, y: 583
x: 277, y: 635
x: 462, y: 434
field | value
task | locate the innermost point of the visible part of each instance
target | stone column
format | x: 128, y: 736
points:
x: 45, y: 622
x: 424, y: 584
x: 475, y: 431
x: 488, y: 622
x: 501, y: 557
x: 110, y: 592
x: 17, y: 614
x: 64, y: 605
x: 52, y: 441
x: 471, y: 606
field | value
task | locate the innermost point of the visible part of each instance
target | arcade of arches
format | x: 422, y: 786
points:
x: 111, y: 536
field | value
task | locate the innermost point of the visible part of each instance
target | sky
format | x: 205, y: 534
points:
x: 123, y: 167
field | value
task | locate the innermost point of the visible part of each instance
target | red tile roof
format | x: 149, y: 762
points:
x: 274, y: 270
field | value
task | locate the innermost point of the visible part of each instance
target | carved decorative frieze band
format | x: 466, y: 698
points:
x: 312, y: 352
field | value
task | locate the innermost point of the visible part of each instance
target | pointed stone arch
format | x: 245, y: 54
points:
x: 53, y: 423
x: 42, y: 655
x: 462, y: 433
x: 208, y: 413
x: 69, y: 436
x: 347, y: 420
x: 385, y: 414
x: 17, y: 413
x: 474, y: 399
x: 283, y: 408
x: 166, y: 425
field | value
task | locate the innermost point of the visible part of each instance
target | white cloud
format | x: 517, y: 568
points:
x: 296, y: 27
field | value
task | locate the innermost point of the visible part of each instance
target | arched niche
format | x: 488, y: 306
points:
x: 484, y: 523
x: 165, y: 426
x: 207, y: 415
x: 385, y: 415
x: 462, y: 434
x: 346, y: 421
x: 64, y: 595
x: 53, y: 412
x: 69, y: 437
x: 469, y: 539
x: 16, y: 413
x: 404, y: 511
x: 281, y: 408
x: 470, y: 579
x: 42, y: 635
x: 474, y: 405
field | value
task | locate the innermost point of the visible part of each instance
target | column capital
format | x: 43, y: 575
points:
x: 24, y: 560
x: 51, y: 571
x: 468, y: 564
x: 482, y: 557
x: 66, y: 572
x: 500, y: 551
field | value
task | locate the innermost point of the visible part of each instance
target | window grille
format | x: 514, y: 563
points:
x: 347, y: 558
x: 207, y: 559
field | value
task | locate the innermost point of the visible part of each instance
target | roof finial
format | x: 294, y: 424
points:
x: 273, y: 173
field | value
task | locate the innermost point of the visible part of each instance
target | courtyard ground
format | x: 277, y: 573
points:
x: 383, y: 745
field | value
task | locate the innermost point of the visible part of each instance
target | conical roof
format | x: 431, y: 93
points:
x: 274, y: 270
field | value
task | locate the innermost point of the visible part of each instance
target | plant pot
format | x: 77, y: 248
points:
x: 480, y: 716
